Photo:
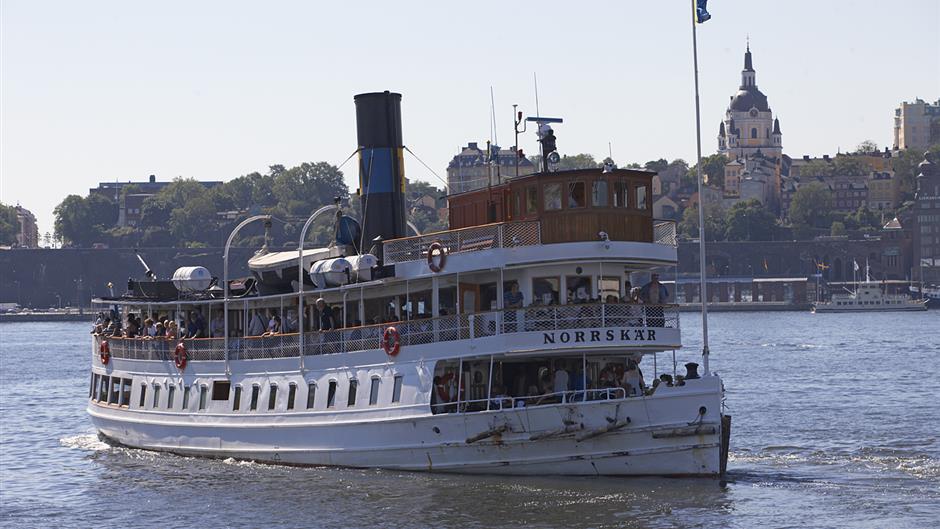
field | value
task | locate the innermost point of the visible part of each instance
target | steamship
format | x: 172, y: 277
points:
x: 511, y: 343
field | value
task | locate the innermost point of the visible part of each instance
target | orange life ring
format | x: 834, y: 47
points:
x: 179, y: 356
x: 438, y: 247
x: 104, y: 351
x: 391, y: 341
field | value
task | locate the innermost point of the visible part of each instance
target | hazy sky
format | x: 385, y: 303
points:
x: 102, y: 91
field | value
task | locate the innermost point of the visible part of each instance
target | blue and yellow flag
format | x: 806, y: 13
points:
x: 701, y: 14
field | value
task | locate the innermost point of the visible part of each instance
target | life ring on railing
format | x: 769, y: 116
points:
x: 179, y: 356
x: 438, y: 247
x: 391, y: 341
x: 104, y: 351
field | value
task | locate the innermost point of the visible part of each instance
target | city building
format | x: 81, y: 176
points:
x: 916, y: 125
x: 749, y: 126
x: 474, y: 168
x: 883, y: 191
x: 28, y: 234
x: 927, y: 224
x: 131, y: 203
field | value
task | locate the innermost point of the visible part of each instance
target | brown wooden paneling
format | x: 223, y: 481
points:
x: 586, y: 225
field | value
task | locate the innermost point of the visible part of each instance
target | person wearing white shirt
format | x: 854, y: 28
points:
x: 561, y: 380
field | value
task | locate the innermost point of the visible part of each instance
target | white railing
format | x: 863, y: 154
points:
x: 489, y: 236
x: 664, y: 232
x: 507, y: 402
x: 413, y: 332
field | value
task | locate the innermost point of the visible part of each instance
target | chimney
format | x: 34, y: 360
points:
x: 153, y: 179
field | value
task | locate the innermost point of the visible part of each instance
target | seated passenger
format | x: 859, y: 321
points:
x: 290, y: 324
x: 217, y: 327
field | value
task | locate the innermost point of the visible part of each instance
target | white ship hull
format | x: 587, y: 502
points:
x: 908, y: 307
x: 662, y: 434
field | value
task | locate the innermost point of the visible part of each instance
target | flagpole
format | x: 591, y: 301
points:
x: 701, y: 198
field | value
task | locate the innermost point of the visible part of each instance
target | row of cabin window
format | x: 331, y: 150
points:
x: 115, y: 390
x: 601, y: 196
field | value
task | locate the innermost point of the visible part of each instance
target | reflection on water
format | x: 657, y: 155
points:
x: 832, y: 428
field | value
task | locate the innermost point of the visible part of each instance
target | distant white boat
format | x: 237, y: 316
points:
x: 869, y: 297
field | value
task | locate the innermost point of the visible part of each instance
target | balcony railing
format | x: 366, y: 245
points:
x: 489, y: 236
x: 415, y: 332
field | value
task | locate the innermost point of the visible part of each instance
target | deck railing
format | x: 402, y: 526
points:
x: 664, y: 232
x: 413, y: 332
x: 489, y: 236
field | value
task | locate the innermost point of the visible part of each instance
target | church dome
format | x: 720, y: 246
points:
x: 749, y: 98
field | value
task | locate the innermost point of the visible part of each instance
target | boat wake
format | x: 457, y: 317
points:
x: 89, y: 442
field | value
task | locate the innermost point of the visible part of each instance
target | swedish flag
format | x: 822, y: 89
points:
x: 701, y: 14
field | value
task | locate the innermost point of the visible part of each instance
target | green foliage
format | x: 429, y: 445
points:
x: 862, y: 218
x: 715, y: 224
x: 867, y: 147
x: 810, y: 207
x: 851, y: 166
x: 578, y: 161
x: 837, y: 229
x: 84, y: 221
x: 657, y: 166
x: 713, y: 169
x: 749, y: 221
x: 905, y: 165
x: 9, y: 226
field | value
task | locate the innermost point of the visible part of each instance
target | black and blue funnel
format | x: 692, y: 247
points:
x: 381, y: 168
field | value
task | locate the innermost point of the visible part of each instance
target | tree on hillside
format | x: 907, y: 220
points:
x: 810, y: 207
x: 905, y: 165
x: 867, y: 147
x: 749, y: 220
x: 850, y: 166
x: 83, y: 221
x: 715, y: 224
x: 9, y: 226
x: 577, y: 161
x: 657, y: 166
x: 713, y: 169
x: 303, y: 189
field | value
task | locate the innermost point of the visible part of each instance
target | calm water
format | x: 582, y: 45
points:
x: 836, y: 424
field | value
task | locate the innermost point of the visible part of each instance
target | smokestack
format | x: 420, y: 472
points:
x: 381, y: 168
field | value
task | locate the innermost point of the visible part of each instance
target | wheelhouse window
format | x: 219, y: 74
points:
x: 531, y: 200
x: 396, y: 388
x: 272, y: 397
x: 291, y: 395
x: 599, y: 194
x: 156, y: 395
x: 143, y: 396
x: 331, y: 395
x: 576, y: 195
x: 641, y: 193
x: 221, y: 389
x: 255, y: 390
x: 551, y: 195
x: 126, y: 392
x: 353, y: 386
x: 311, y: 395
x: 620, y: 194
x: 237, y: 399
x: 170, y: 393
x: 374, y: 392
x: 203, y: 396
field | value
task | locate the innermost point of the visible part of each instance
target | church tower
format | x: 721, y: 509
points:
x: 749, y: 126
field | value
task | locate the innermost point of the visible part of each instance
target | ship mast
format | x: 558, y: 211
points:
x: 701, y: 201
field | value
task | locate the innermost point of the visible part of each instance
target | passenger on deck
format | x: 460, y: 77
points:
x: 150, y: 330
x: 131, y: 329
x: 666, y: 379
x: 159, y: 331
x: 627, y: 289
x: 654, y: 292
x: 561, y: 379
x: 513, y: 299
x: 498, y: 397
x: 256, y: 326
x: 633, y: 383
x: 274, y: 326
x: 290, y: 324
x: 171, y: 331
x: 327, y: 320
x: 193, y: 329
x: 217, y: 327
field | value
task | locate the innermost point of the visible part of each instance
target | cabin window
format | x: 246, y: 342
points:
x: 396, y: 389
x: 545, y: 290
x: 620, y: 194
x: 143, y: 395
x: 311, y: 395
x: 291, y: 395
x: 170, y: 393
x: 126, y: 392
x: 221, y: 389
x: 156, y: 395
x: 185, y: 397
x: 516, y: 205
x: 255, y: 389
x: 203, y: 396
x: 103, y: 388
x: 94, y: 383
x: 576, y: 195
x: 551, y: 194
x: 579, y: 289
x: 272, y: 397
x: 599, y: 194
x: 115, y: 395
x: 531, y: 200
x: 609, y: 286
x: 641, y: 197
x: 353, y: 386
x: 237, y: 399
x: 331, y: 395
x: 374, y: 392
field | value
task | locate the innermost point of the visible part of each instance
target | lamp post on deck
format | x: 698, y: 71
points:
x: 300, y: 273
x: 228, y: 244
